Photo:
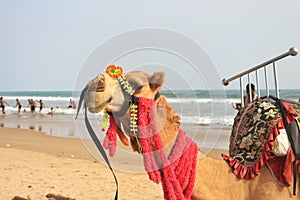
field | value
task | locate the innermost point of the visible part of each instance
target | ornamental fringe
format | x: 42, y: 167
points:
x: 177, y: 172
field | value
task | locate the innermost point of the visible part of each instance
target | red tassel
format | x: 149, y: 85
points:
x: 110, y: 140
x: 178, y: 172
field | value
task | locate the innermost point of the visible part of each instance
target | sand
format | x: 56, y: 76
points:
x: 33, y: 164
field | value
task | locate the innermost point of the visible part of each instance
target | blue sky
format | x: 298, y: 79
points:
x: 44, y: 43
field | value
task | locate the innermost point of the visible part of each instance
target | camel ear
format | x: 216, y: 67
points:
x: 157, y: 80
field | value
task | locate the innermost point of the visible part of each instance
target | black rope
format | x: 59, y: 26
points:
x: 128, y: 99
x: 287, y: 128
x: 94, y: 136
x: 82, y: 96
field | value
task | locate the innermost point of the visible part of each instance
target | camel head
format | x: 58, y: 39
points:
x: 109, y: 93
x: 105, y: 92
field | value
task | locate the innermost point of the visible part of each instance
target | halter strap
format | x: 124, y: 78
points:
x: 94, y: 136
x: 128, y: 100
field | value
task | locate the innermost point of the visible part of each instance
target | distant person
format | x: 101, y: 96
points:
x: 254, y: 96
x: 247, y: 97
x: 19, y: 105
x: 41, y: 105
x: 72, y: 104
x: 32, y: 105
x: 51, y: 111
x: 29, y: 103
x: 2, y: 104
x: 237, y: 106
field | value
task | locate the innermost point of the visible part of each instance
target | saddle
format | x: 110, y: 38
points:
x: 254, y: 134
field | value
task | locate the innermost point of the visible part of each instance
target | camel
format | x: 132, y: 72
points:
x: 214, y: 177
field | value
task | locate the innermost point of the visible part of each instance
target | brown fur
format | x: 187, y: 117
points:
x: 168, y: 122
x: 122, y: 136
x: 214, y: 179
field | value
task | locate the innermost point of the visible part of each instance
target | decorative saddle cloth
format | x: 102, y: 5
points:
x: 253, y: 136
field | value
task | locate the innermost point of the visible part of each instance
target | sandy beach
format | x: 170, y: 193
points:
x: 34, y: 164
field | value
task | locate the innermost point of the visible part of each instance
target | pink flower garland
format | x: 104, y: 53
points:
x: 110, y: 140
x: 178, y: 172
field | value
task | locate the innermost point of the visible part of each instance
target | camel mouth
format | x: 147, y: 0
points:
x: 94, y: 108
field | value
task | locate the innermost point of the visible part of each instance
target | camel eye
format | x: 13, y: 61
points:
x: 139, y: 89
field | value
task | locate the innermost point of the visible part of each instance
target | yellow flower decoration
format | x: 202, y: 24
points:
x: 104, y: 121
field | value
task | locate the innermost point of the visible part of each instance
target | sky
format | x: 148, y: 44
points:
x: 45, y: 44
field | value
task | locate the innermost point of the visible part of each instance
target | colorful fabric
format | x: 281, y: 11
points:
x: 110, y: 140
x: 254, y: 131
x: 176, y: 172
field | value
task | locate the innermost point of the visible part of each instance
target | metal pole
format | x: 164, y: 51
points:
x: 266, y: 82
x: 241, y: 92
x: 250, y: 89
x: 257, y: 84
x: 292, y: 52
x: 275, y: 80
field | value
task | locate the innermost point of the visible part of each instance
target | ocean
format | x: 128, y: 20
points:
x: 206, y: 115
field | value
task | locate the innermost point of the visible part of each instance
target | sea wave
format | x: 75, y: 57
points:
x: 37, y: 98
x: 199, y: 107
x: 26, y: 110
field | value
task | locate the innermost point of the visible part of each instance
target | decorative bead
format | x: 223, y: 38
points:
x: 104, y: 121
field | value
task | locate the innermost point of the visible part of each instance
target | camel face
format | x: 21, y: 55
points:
x: 100, y: 92
x: 105, y: 92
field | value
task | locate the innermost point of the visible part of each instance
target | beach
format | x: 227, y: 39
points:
x: 34, y: 164
x: 43, y: 154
